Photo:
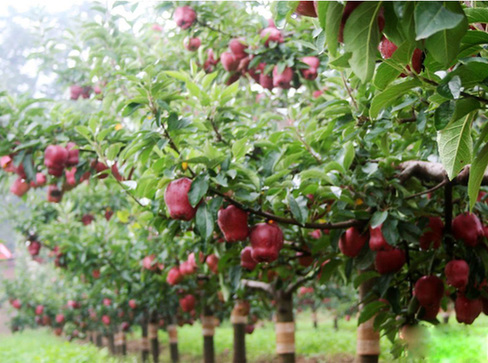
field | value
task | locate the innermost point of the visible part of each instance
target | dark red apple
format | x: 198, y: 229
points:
x: 55, y: 158
x: 247, y: 261
x: 124, y: 326
x: 271, y: 34
x: 192, y: 44
x: 266, y: 242
x: 54, y: 195
x: 229, y: 61
x: 429, y: 290
x: 306, y: 8
x: 73, y: 154
x: 387, y: 48
x: 59, y: 318
x: 174, y: 276
x: 232, y: 222
x: 238, y: 48
x: 377, y: 241
x: 87, y: 219
x: 184, y: 17
x: 75, y: 91
x: 132, y: 304
x: 187, y: 303
x: 389, y: 261
x: 249, y: 328
x: 99, y: 168
x: 212, y: 263
x: 352, y: 242
x: 283, y: 79
x: 176, y: 199
x: 96, y: 274
x: 429, y: 313
x: 40, y: 181
x: 457, y: 273
x: 432, y: 236
x: 313, y: 63
x: 106, y: 319
x: 467, y: 310
x: 19, y: 187
x: 467, y: 227
x: 34, y: 248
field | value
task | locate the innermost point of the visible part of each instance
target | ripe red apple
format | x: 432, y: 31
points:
x: 87, y: 219
x: 55, y: 158
x: 282, y: 80
x: 457, y: 273
x: 39, y: 182
x: 16, y: 304
x: 39, y: 309
x: 429, y: 290
x: 389, y: 261
x: 192, y: 44
x: 70, y: 176
x: 266, y: 81
x: 432, y: 236
x: 148, y: 263
x: 317, y: 93
x: 377, y: 241
x: 266, y: 242
x: 99, y: 168
x: 19, y: 187
x: 306, y: 8
x: 313, y: 63
x: 238, y: 48
x: 34, y: 248
x: 305, y: 259
x: 73, y: 154
x: 60, y: 318
x: 174, y: 276
x: 184, y: 17
x: 54, y: 195
x: 75, y: 91
x: 107, y: 302
x: 108, y: 214
x: 232, y: 222
x: 132, y: 304
x: 467, y: 227
x: 176, y: 199
x: 229, y: 61
x: 96, y: 274
x: 249, y: 328
x: 213, y: 262
x: 6, y: 162
x: 73, y: 304
x: 187, y: 303
x: 352, y: 242
x: 467, y: 310
x: 124, y: 326
x: 106, y: 319
x: 271, y: 34
x: 387, y: 48
x: 247, y: 261
x: 97, y: 89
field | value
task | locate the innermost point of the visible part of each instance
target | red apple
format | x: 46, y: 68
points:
x: 124, y: 326
x: 283, y: 79
x: 247, y: 261
x: 238, y: 48
x: 467, y: 227
x: 55, y: 158
x: 192, y: 44
x: 19, y: 187
x: 271, y: 34
x: 317, y: 93
x: 377, y: 241
x: 305, y: 259
x: 184, y: 17
x: 96, y: 274
x: 457, y: 273
x: 107, y: 302
x: 73, y: 154
x: 34, y: 248
x: 229, y: 61
x: 132, y: 304
x: 108, y: 214
x: 389, y: 261
x: 266, y: 242
x: 429, y: 313
x: 39, y: 309
x: 60, y: 318
x: 87, y: 219
x: 54, y: 195
x: 176, y: 199
x: 387, y: 48
x: 306, y: 8
x: 99, y: 168
x: 212, y: 262
x: 352, y: 242
x: 467, y: 310
x: 16, y: 304
x: 75, y: 91
x: 429, y: 290
x: 232, y: 222
x: 174, y: 276
x: 249, y: 328
x: 432, y: 236
x: 187, y: 303
x: 148, y: 263
x: 313, y: 63
x: 7, y: 164
x: 106, y: 319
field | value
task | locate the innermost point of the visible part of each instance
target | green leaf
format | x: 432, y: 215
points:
x: 130, y: 108
x: 378, y: 218
x: 432, y: 17
x: 450, y: 111
x: 390, y: 94
x: 113, y: 150
x: 476, y: 15
x: 347, y: 155
x: 361, y: 38
x: 476, y: 174
x: 199, y: 187
x: 455, y: 146
x: 322, y: 8
x: 239, y: 148
x: 84, y: 131
x: 390, y: 69
x: 204, y: 221
x: 298, y: 208
x: 333, y: 19
x: 370, y: 310
x: 177, y: 75
x: 364, y: 276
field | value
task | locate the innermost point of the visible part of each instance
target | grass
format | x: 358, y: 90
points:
x: 452, y: 343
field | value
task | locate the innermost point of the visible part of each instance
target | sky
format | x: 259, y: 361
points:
x: 50, y: 5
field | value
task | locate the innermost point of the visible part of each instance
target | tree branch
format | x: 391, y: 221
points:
x: 428, y: 171
x: 299, y: 282
x: 258, y: 285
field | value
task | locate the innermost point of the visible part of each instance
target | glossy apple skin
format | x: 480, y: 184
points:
x: 468, y: 228
x: 457, y: 273
x: 232, y: 222
x: 432, y: 236
x: 176, y: 199
x: 377, y: 241
x: 212, y: 262
x: 283, y: 79
x: 174, y: 276
x: 389, y: 261
x: 19, y: 187
x: 247, y: 261
x: 306, y: 8
x: 187, y: 303
x: 429, y: 291
x: 271, y: 34
x: 467, y: 310
x: 266, y: 242
x: 352, y: 242
x: 229, y: 61
x: 184, y: 17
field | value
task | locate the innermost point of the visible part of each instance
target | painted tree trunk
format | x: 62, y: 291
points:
x: 208, y: 330
x: 336, y: 323
x: 153, y: 340
x: 144, y: 341
x: 285, y: 328
x: 98, y: 340
x: 239, y: 324
x: 111, y: 344
x: 173, y: 340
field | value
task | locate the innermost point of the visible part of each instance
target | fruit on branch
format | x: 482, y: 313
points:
x: 271, y: 34
x: 16, y: 304
x: 429, y: 290
x: 377, y: 241
x: 305, y: 259
x: 106, y: 319
x: 85, y: 93
x: 73, y: 154
x: 115, y: 172
x: 176, y: 199
x: 387, y: 48
x: 55, y: 159
x: 317, y: 93
x: 432, y: 236
x: 283, y: 79
x: 96, y: 274
x: 229, y: 61
x: 184, y: 17
x: 39, y: 309
x: 39, y: 182
x: 429, y: 313
x: 87, y: 219
x: 211, y: 62
x: 266, y: 242
x: 457, y: 273
x: 249, y: 328
x: 467, y: 310
x: 305, y: 290
x: 187, y: 303
x: 232, y: 222
x: 174, y: 276
x: 311, y: 72
x: 19, y: 187
x: 124, y: 326
x: 132, y: 304
x: 54, y: 195
x: 352, y: 242
x: 75, y: 91
x: 99, y: 167
x: 70, y: 176
x: 148, y: 263
x: 238, y: 48
x: 212, y: 263
x: 467, y: 227
x: 247, y: 261
x: 106, y: 301
x: 389, y: 261
x: 59, y: 318
x: 316, y: 233
x: 266, y: 81
x: 192, y: 44
x: 6, y: 162
x: 34, y: 248
x: 108, y: 214
x: 306, y: 8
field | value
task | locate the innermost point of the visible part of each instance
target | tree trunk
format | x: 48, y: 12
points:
x: 208, y: 330
x: 98, y: 340
x: 173, y: 340
x: 153, y: 337
x: 285, y: 327
x: 111, y: 345
x: 239, y: 324
x: 368, y: 339
x: 120, y: 343
x: 314, y: 318
x: 336, y: 323
x: 144, y: 341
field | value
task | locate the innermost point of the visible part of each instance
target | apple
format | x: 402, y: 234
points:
x: 192, y: 44
x: 59, y: 318
x: 377, y: 241
x: 34, y: 248
x: 467, y: 227
x: 39, y: 309
x: 229, y: 61
x: 75, y: 91
x: 266, y: 242
x: 54, y: 195
x: 19, y: 187
x: 124, y: 326
x: 16, y: 304
x: 187, y: 303
x: 55, y: 159
x: 352, y: 242
x: 389, y: 261
x: 238, y: 48
x: 317, y: 93
x: 97, y: 89
x: 212, y: 262
x: 306, y: 8
x: 249, y: 328
x: 467, y: 310
x: 247, y: 261
x: 271, y: 34
x: 132, y: 304
x: 106, y: 319
x: 266, y: 81
x: 184, y: 17
x: 99, y: 168
x: 432, y: 236
x: 387, y: 48
x: 429, y: 290
x: 73, y: 304
x: 85, y: 93
x: 157, y: 27
x: 39, y: 182
x: 233, y: 77
x: 73, y: 154
x: 283, y: 79
x: 106, y: 301
x: 87, y: 219
x: 232, y: 222
x: 457, y: 273
x: 115, y: 172
x: 176, y: 199
x: 96, y: 274
x: 6, y: 162
x: 305, y: 259
x: 313, y: 63
x: 70, y: 176
x: 108, y: 214
x: 148, y: 263
x: 174, y: 276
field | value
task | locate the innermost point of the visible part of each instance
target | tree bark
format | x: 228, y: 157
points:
x: 314, y: 318
x: 98, y: 340
x: 173, y: 340
x: 336, y: 323
x: 208, y: 329
x: 153, y: 337
x: 368, y: 339
x: 144, y: 341
x: 285, y: 327
x: 111, y: 344
x: 238, y: 319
